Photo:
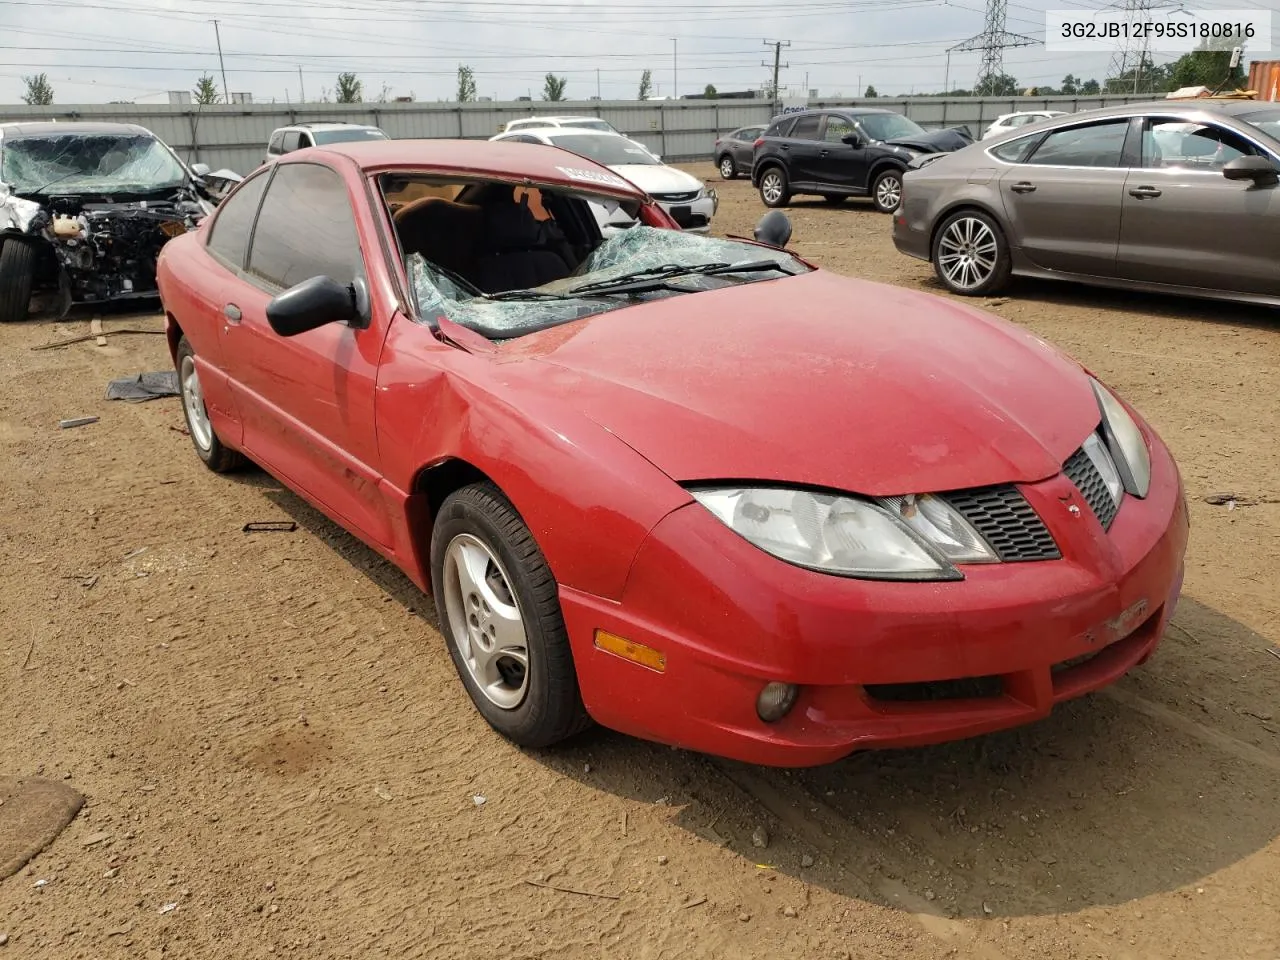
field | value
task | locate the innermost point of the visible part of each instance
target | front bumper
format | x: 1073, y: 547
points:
x: 880, y: 664
x: 693, y: 216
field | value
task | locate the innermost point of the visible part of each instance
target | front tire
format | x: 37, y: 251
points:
x: 216, y: 456
x: 970, y: 254
x: 728, y: 168
x: 17, y: 277
x: 774, y: 189
x: 499, y: 612
x: 886, y: 192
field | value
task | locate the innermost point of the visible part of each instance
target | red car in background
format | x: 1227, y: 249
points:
x: 690, y: 488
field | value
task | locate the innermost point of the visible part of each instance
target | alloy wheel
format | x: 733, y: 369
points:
x: 889, y: 193
x: 726, y: 168
x: 485, y: 620
x: 771, y: 186
x: 193, y: 403
x: 967, y: 253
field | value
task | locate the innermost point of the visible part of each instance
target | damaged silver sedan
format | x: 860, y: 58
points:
x: 85, y: 209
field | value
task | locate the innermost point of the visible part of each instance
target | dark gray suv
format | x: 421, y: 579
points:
x: 844, y: 152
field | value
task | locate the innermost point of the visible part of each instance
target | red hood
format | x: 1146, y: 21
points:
x: 823, y: 380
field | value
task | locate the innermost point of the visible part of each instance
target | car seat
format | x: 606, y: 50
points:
x: 444, y: 232
x: 518, y: 250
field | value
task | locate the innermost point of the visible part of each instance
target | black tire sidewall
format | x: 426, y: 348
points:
x: 875, y: 188
x: 17, y: 279
x: 998, y: 278
x: 550, y: 710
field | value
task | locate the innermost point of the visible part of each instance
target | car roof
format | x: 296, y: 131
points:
x: 326, y: 124
x: 482, y: 158
x: 558, y: 118
x: 1232, y: 108
x: 44, y: 128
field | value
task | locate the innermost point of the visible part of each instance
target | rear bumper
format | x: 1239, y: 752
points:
x: 879, y: 664
x: 911, y: 226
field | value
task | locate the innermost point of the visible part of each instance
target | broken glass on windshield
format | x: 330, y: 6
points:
x: 514, y: 313
x: 93, y: 163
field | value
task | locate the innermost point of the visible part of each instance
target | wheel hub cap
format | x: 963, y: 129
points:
x: 485, y: 620
x: 193, y: 403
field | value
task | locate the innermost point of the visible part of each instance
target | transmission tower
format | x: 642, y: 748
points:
x: 1133, y: 52
x: 993, y: 41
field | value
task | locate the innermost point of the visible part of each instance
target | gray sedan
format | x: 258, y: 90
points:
x: 1172, y: 196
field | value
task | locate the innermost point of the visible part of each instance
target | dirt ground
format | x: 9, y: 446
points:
x: 269, y: 732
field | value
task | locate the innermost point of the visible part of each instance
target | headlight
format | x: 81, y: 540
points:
x: 901, y: 538
x: 1125, y: 441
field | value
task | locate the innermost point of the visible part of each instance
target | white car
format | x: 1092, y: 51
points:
x: 317, y: 134
x: 1012, y: 121
x: 686, y: 198
x: 584, y: 123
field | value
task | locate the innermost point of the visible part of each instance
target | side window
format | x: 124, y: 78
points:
x: 806, y: 127
x: 290, y: 142
x: 229, y: 232
x: 1190, y: 146
x: 1015, y: 151
x: 1097, y: 145
x: 277, y: 140
x: 837, y: 129
x: 751, y: 134
x: 782, y: 127
x: 306, y: 228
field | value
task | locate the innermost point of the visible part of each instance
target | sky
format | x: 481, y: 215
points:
x: 137, y: 50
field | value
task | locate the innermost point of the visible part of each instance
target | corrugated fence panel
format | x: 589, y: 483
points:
x: 235, y: 135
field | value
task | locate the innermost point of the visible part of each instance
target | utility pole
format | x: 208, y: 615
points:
x: 597, y: 83
x: 993, y: 41
x: 777, y: 65
x: 301, y: 88
x: 226, y: 94
x: 675, y: 70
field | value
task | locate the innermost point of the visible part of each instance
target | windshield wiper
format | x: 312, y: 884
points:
x: 65, y: 176
x: 656, y: 277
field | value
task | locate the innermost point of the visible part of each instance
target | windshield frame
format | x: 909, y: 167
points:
x: 84, y: 182
x: 1251, y: 122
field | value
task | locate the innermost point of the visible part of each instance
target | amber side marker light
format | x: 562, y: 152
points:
x: 629, y: 650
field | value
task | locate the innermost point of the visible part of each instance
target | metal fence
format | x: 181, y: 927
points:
x: 235, y: 135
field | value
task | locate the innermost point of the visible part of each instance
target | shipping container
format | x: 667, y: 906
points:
x: 1264, y: 76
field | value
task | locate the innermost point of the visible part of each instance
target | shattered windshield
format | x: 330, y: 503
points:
x: 88, y: 163
x: 632, y: 252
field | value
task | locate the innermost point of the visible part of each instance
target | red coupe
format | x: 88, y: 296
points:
x: 690, y: 488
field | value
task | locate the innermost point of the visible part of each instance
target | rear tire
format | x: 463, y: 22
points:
x: 774, y: 189
x: 728, y: 168
x: 17, y: 277
x: 970, y: 254
x: 499, y: 611
x: 216, y: 456
x: 886, y: 191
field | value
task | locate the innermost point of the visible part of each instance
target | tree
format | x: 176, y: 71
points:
x: 553, y: 87
x: 1090, y: 88
x: 205, y: 91
x: 871, y: 93
x: 1070, y: 85
x: 710, y: 91
x: 1146, y: 77
x: 1001, y: 85
x: 350, y: 89
x: 646, y: 85
x: 1208, y: 66
x: 466, y: 84
x: 39, y: 92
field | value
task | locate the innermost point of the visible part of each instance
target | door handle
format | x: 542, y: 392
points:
x: 784, y: 146
x: 1023, y: 187
x: 231, y: 312
x: 1144, y: 193
x: 823, y: 153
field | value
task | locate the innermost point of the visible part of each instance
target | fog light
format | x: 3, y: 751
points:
x: 776, y: 700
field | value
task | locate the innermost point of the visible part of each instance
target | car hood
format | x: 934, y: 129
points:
x: 935, y: 141
x: 820, y: 380
x: 655, y: 178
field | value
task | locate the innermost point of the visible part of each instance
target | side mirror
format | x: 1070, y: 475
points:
x: 200, y: 169
x: 316, y: 302
x: 1258, y: 169
x: 853, y: 140
x: 774, y: 229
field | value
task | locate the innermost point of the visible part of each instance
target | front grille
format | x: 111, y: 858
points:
x: 676, y: 197
x: 1007, y: 522
x: 964, y: 688
x: 1081, y: 471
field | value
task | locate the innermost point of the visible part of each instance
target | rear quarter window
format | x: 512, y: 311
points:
x: 781, y: 128
x: 1015, y: 151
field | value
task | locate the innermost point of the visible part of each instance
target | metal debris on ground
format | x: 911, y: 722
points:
x: 479, y: 800
x: 270, y: 526
x: 91, y: 336
x: 76, y: 422
x: 169, y: 908
x: 145, y: 386
x: 581, y: 893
